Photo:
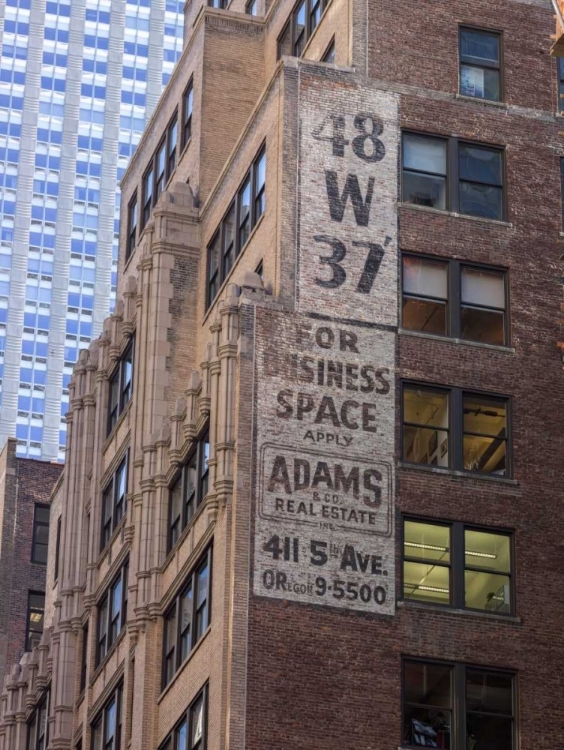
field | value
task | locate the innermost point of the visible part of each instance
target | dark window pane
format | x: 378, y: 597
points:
x: 480, y: 164
x: 427, y: 727
x: 489, y: 732
x: 424, y: 190
x: 487, y: 326
x: 479, y: 45
x: 481, y: 200
x: 427, y: 684
x: 481, y: 83
x: 424, y: 154
x: 491, y: 692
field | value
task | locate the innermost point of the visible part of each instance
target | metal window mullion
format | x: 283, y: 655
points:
x: 455, y: 295
x: 457, y: 561
x: 453, y: 190
x: 459, y: 712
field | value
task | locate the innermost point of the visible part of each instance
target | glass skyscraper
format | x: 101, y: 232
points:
x: 78, y: 82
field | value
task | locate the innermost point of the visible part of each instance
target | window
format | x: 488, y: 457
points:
x: 147, y: 194
x: 106, y: 728
x: 35, y: 613
x: 235, y: 229
x: 160, y: 170
x: 457, y: 566
x: 132, y: 220
x: 84, y: 658
x: 189, y: 489
x: 446, y: 174
x: 121, y: 387
x: 113, y: 502
x: 218, y: 3
x: 58, y: 548
x: 112, y: 613
x: 187, y: 108
x: 251, y: 8
x: 190, y: 732
x: 40, y: 534
x: 38, y: 727
x: 480, y: 63
x: 187, y: 618
x: 456, y: 429
x: 448, y: 298
x: 171, y: 143
x: 329, y: 54
x: 457, y: 706
x: 302, y: 23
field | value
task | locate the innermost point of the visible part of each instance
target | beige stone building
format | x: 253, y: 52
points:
x: 310, y: 419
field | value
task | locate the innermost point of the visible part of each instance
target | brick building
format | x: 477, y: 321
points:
x: 25, y: 490
x: 312, y: 490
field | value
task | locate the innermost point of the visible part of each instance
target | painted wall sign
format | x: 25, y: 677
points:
x: 324, y: 525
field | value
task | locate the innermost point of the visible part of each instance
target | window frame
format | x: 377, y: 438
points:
x: 112, y: 488
x: 171, y: 150
x: 248, y: 8
x: 291, y: 24
x: 329, y: 50
x: 187, y: 119
x: 132, y: 225
x: 171, y: 740
x: 455, y: 428
x: 58, y: 549
x: 41, y: 742
x: 484, y: 64
x: 30, y: 611
x: 458, y: 709
x: 174, y: 609
x: 84, y: 656
x: 452, y: 177
x: 101, y: 718
x: 37, y: 525
x: 457, y: 565
x: 454, y: 268
x: 251, y: 176
x: 118, y: 376
x: 197, y: 451
x: 153, y: 176
x: 105, y: 603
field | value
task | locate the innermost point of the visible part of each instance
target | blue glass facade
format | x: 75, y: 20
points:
x: 59, y: 226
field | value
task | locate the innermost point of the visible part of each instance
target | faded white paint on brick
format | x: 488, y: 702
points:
x: 324, y: 526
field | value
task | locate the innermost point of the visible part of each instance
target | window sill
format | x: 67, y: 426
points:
x: 184, y: 664
x: 462, y: 342
x: 453, y: 214
x: 235, y: 264
x: 111, y: 435
x: 514, y: 619
x: 108, y: 656
x: 456, y: 473
x: 477, y: 100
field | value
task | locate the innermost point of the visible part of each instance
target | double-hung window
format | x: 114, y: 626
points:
x: 40, y: 534
x: 187, y: 618
x: 112, y: 613
x: 480, y: 64
x: 113, y: 502
x: 449, y: 298
x: 187, y: 108
x: 121, y: 387
x: 189, y: 489
x: 303, y: 21
x: 161, y: 167
x: 106, y: 727
x: 251, y: 7
x: 236, y: 226
x: 457, y: 706
x: 218, y: 3
x: 84, y: 657
x: 35, y: 619
x: 132, y: 221
x: 457, y: 566
x: 58, y: 548
x: 447, y: 174
x: 456, y: 429
x: 190, y: 732
x: 38, y: 726
x: 171, y: 144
